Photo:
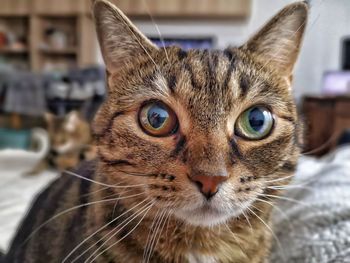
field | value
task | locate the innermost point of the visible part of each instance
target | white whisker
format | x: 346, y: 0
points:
x: 159, y: 235
x: 244, y: 214
x: 290, y: 187
x: 157, y: 28
x: 275, y: 207
x: 139, y: 42
x: 157, y: 226
x: 115, y: 243
x: 145, y: 251
x: 103, y: 184
x: 280, y: 179
x: 98, y: 230
x: 73, y: 208
x: 271, y: 231
x: 125, y: 222
x: 284, y: 199
x: 237, y: 241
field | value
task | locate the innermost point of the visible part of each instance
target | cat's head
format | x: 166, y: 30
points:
x: 204, y: 132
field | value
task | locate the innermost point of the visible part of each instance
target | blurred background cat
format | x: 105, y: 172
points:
x: 70, y: 140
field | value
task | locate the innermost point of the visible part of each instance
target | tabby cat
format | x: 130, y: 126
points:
x: 191, y: 146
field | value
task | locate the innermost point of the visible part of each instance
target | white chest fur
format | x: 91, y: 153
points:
x: 200, y: 258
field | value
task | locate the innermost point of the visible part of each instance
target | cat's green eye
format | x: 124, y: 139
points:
x: 157, y: 119
x: 255, y: 123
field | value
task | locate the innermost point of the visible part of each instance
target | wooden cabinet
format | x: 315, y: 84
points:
x: 326, y: 119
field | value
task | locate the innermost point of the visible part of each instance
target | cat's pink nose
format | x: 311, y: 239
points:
x: 208, y: 185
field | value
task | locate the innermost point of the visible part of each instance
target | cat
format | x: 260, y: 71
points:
x: 70, y: 139
x: 191, y: 148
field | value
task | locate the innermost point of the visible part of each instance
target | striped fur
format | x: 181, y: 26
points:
x: 161, y: 216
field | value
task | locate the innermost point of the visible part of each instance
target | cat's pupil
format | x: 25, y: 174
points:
x: 157, y: 116
x: 256, y: 119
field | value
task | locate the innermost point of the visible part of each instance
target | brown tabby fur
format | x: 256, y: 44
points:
x: 208, y: 90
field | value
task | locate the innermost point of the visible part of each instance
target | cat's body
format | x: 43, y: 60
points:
x: 194, y: 147
x: 178, y: 243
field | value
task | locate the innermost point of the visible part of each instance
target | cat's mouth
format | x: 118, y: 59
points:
x: 215, y: 211
x: 205, y: 215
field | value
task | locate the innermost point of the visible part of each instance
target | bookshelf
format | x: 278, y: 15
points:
x: 14, y: 47
x: 44, y: 35
x: 56, y: 34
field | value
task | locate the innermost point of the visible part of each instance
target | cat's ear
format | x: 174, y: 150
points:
x: 119, y: 39
x: 279, y: 41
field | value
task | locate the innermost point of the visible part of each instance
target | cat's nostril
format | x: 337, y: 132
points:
x: 199, y: 184
x: 208, y: 185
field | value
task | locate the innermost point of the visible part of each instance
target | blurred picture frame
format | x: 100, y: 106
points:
x: 185, y: 43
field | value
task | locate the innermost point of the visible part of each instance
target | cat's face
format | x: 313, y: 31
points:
x: 204, y: 132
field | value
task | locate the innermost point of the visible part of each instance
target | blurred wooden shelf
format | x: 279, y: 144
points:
x: 186, y: 9
x: 13, y: 51
x: 56, y: 51
x: 61, y: 7
x: 218, y: 9
x: 15, y: 7
x: 44, y: 7
x: 68, y: 22
x: 37, y: 21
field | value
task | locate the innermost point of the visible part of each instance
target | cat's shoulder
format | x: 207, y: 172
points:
x: 49, y: 201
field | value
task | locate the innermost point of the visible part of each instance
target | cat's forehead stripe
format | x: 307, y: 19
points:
x: 172, y: 80
x: 232, y: 59
x: 181, y: 54
x: 189, y: 68
x: 213, y: 73
x: 244, y: 84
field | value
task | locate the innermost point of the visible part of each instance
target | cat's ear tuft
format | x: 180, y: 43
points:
x: 279, y: 41
x: 119, y: 39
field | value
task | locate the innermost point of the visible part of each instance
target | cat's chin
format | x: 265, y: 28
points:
x: 205, y: 216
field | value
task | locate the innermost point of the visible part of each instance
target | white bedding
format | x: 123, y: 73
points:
x: 316, y: 228
x: 16, y: 194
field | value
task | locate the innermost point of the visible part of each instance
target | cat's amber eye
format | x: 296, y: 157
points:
x: 255, y: 123
x: 157, y: 119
